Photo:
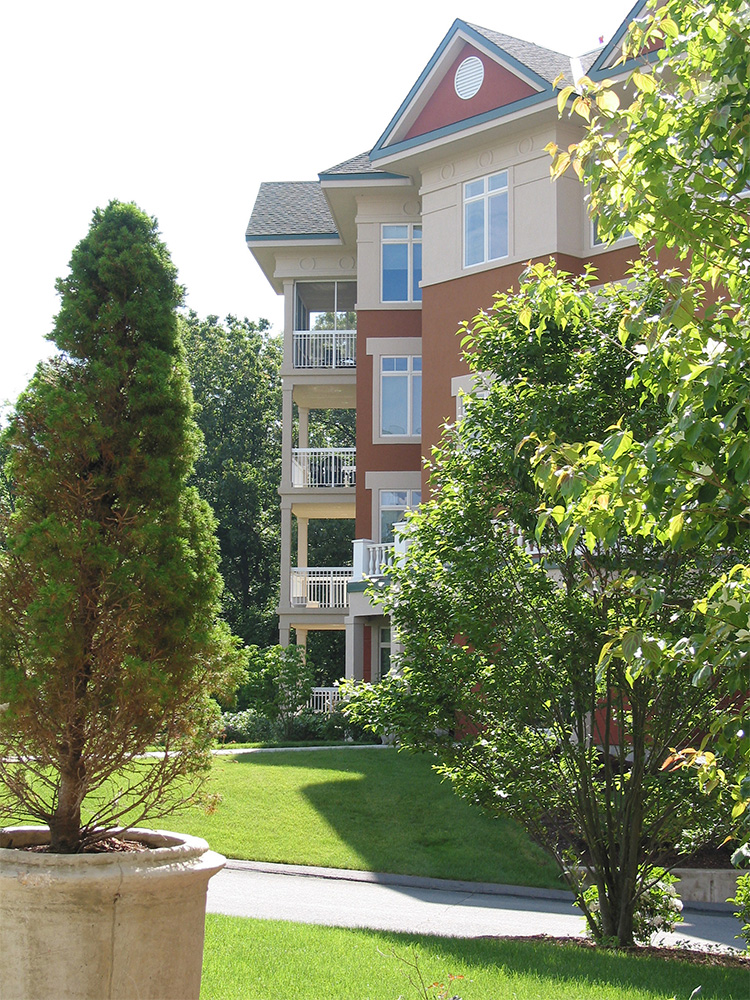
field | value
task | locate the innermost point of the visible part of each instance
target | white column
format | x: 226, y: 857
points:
x: 355, y: 642
x: 304, y: 423
x: 288, y: 324
x: 286, y: 554
x: 302, y: 523
x: 286, y: 435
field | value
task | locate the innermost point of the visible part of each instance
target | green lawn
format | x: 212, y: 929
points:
x: 273, y: 960
x: 370, y: 809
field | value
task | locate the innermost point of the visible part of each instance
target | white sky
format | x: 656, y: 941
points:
x: 185, y: 108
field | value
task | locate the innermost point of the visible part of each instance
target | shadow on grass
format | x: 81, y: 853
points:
x: 494, y: 968
x: 573, y: 964
x: 396, y: 813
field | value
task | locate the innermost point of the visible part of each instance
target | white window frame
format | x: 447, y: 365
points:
x: 475, y: 384
x: 413, y: 499
x: 376, y: 482
x: 385, y: 641
x: 484, y: 197
x: 413, y: 294
x: 377, y: 348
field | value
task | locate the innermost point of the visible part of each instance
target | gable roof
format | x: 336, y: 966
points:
x: 290, y: 209
x: 520, y: 74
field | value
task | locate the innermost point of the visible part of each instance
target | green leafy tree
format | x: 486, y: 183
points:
x: 501, y: 624
x: 109, y: 582
x: 672, y: 164
x: 280, y: 681
x: 235, y: 376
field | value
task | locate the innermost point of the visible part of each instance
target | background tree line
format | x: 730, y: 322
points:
x: 234, y: 369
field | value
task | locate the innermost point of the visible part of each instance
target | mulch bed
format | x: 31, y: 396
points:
x: 111, y: 845
x: 727, y: 960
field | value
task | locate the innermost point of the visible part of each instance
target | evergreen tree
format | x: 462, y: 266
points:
x: 109, y: 583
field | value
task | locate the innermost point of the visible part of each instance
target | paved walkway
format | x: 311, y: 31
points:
x: 424, y: 906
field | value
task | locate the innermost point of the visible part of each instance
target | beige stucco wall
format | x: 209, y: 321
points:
x: 395, y: 206
x: 543, y: 217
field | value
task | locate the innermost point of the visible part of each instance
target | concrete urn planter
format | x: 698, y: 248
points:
x: 110, y: 926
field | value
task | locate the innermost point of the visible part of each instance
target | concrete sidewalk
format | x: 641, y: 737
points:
x: 343, y: 898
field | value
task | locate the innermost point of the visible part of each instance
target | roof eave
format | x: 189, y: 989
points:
x: 284, y: 239
x: 329, y: 181
x: 509, y: 112
x: 622, y: 69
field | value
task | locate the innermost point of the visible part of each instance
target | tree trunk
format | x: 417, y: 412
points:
x: 65, y: 825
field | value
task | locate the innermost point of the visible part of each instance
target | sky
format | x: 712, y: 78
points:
x: 185, y: 108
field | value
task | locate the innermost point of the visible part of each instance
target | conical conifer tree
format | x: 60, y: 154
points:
x: 109, y: 585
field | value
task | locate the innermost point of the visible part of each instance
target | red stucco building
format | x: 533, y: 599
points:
x: 379, y: 261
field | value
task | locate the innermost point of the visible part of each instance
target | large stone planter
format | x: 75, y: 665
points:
x: 113, y: 926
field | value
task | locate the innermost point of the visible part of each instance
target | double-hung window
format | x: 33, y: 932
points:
x: 400, y: 396
x: 393, y: 505
x: 401, y: 248
x: 486, y: 219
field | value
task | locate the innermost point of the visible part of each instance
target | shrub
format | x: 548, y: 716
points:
x: 249, y: 726
x: 658, y: 908
x: 279, y: 684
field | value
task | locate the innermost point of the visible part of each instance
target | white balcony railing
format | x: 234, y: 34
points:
x: 378, y: 557
x: 324, y: 699
x: 325, y: 349
x: 373, y: 558
x: 313, y: 467
x: 320, y: 588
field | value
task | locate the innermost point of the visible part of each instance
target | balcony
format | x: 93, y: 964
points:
x: 314, y: 468
x: 320, y: 588
x: 327, y: 349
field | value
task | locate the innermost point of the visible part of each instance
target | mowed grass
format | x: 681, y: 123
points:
x: 273, y: 960
x: 372, y: 809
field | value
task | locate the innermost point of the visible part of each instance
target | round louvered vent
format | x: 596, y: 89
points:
x: 469, y: 77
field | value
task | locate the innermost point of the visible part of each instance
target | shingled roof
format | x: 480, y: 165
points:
x: 545, y: 62
x: 360, y: 165
x: 290, y: 208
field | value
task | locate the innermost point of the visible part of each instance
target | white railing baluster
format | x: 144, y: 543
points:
x: 379, y: 557
x: 315, y: 587
x: 331, y: 467
x: 325, y: 349
x: 324, y: 699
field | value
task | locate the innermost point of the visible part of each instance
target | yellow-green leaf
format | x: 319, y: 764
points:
x: 608, y: 100
x: 582, y: 107
x: 739, y: 809
x: 644, y: 82
x: 562, y: 98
